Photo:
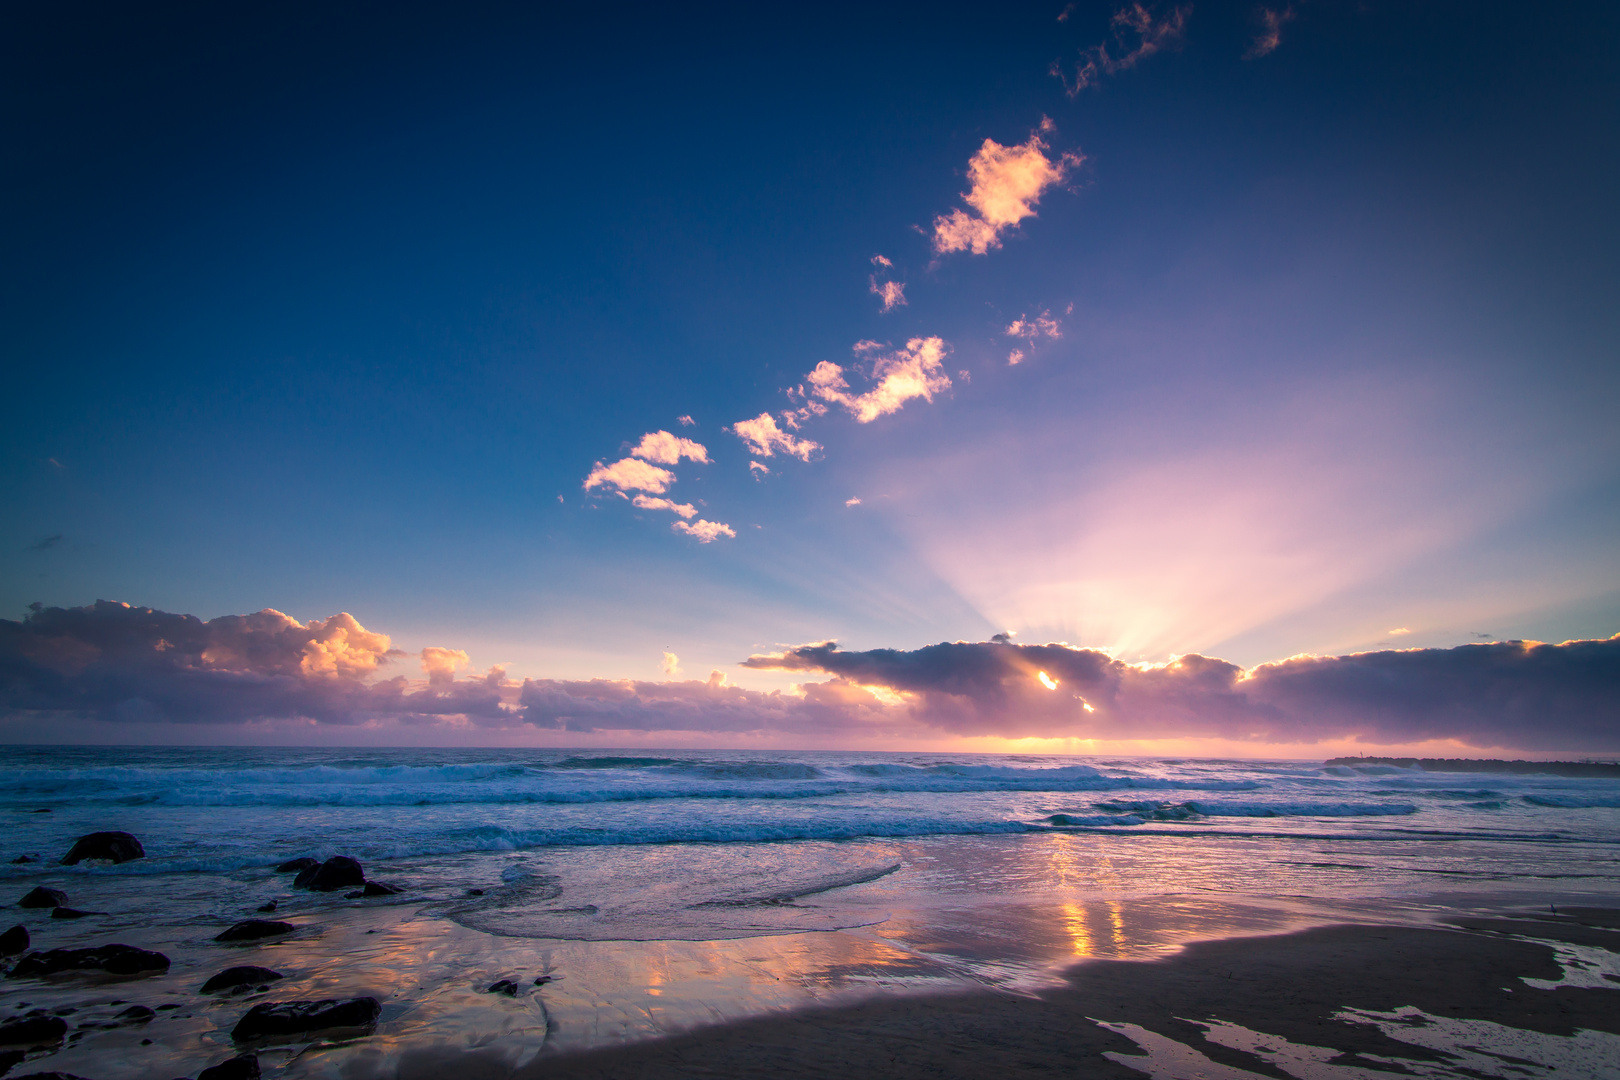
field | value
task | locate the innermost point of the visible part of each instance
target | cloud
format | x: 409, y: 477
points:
x: 705, y: 531
x: 763, y: 437
x: 912, y: 372
x: 854, y: 500
x: 892, y: 292
x: 883, y: 261
x: 672, y: 664
x: 759, y: 467
x: 442, y: 664
x: 1398, y: 631
x: 630, y: 474
x: 1042, y: 325
x: 685, y: 510
x: 667, y: 449
x: 1524, y: 695
x: 47, y: 543
x: 1136, y: 21
x: 1270, y: 35
x: 685, y: 421
x: 118, y: 663
x: 1007, y: 183
x: 126, y: 665
x: 1015, y: 357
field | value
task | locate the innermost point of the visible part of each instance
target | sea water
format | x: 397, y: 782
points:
x: 653, y: 891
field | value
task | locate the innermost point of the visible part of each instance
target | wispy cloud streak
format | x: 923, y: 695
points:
x: 1151, y: 34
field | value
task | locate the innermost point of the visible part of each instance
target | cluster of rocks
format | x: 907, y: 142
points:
x: 267, y: 1021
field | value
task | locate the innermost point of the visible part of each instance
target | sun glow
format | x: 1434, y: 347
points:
x: 1047, y: 680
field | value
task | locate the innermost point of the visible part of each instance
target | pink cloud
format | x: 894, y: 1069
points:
x: 893, y: 294
x: 1007, y: 183
x: 442, y: 664
x: 1270, y: 35
x: 705, y: 531
x: 763, y: 437
x: 685, y: 510
x: 630, y: 474
x: 912, y: 372
x: 1151, y: 35
x: 667, y: 449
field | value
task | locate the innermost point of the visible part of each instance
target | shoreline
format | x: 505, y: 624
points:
x: 1323, y: 1002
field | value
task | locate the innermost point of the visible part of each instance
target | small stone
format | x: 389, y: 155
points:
x: 169, y: 1005
x: 43, y: 810
x: 21, y: 859
x: 42, y: 897
x: 274, y: 1019
x: 267, y: 908
x: 136, y: 1013
x: 255, y: 930
x: 14, y: 941
x: 505, y: 986
x: 542, y: 980
x: 146, y: 1042
x: 357, y: 894
x: 297, y: 866
x: 242, y: 1067
x: 475, y: 892
x: 245, y: 975
x: 377, y: 888
x: 118, y: 847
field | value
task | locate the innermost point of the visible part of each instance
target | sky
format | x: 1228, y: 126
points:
x: 557, y: 375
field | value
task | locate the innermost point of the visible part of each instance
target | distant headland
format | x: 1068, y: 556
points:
x: 1487, y: 765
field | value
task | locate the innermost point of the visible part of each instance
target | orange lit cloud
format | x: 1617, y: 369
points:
x: 1151, y: 34
x: 1270, y: 35
x: 763, y: 437
x: 442, y: 664
x: 630, y: 474
x: 893, y: 294
x: 1007, y: 183
x: 704, y: 531
x: 912, y: 372
x: 667, y: 449
x: 685, y: 510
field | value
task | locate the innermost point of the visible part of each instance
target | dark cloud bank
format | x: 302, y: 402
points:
x: 121, y: 664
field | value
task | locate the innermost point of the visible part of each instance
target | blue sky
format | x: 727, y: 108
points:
x: 335, y: 308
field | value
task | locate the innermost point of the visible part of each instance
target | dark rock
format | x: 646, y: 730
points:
x: 338, y: 872
x: 297, y: 866
x: 169, y: 1005
x: 135, y: 1013
x: 116, y: 846
x: 279, y: 1018
x: 475, y: 892
x: 21, y: 859
x: 242, y: 1067
x: 267, y: 908
x: 239, y: 976
x: 72, y: 913
x: 505, y: 986
x: 14, y: 941
x: 377, y: 888
x: 43, y: 810
x: 542, y: 980
x: 113, y: 959
x: 8, y: 1058
x: 33, y: 1031
x: 357, y: 894
x: 48, y: 1075
x: 255, y: 930
x: 43, y: 897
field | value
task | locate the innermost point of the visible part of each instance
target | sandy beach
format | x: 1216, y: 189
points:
x: 1485, y: 997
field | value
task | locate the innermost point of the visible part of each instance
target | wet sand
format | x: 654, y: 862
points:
x: 1129, y: 1018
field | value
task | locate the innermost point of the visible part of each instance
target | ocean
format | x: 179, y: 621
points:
x: 657, y: 891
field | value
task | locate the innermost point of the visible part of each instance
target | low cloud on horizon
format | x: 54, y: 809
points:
x: 123, y: 666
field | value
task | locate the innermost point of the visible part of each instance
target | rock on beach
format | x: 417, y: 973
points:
x: 338, y: 872
x: 241, y: 1067
x: 275, y: 1019
x: 41, y: 897
x: 118, y: 847
x: 255, y: 930
x: 33, y: 1031
x: 244, y: 975
x: 114, y: 959
x: 14, y: 941
x: 297, y: 866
